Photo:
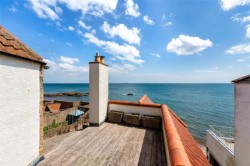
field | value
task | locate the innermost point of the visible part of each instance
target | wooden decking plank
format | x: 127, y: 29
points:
x: 163, y: 156
x: 68, y: 144
x: 112, y: 146
x: 149, y: 147
x: 73, y: 146
x: 104, y: 145
x: 153, y: 159
x: 109, y: 144
x: 159, y: 149
x: 128, y: 146
x: 140, y: 139
x: 136, y: 150
x: 119, y: 150
x: 86, y: 153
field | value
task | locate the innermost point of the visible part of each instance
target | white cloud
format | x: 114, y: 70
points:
x: 68, y: 60
x: 79, y: 32
x: 83, y: 25
x: 206, y: 71
x: 246, y: 19
x: 13, y: 9
x: 230, y: 66
x: 148, y: 20
x: 230, y: 4
x: 237, y: 17
x: 248, y: 31
x: 240, y: 60
x: 123, y: 52
x: 167, y: 21
x: 70, y: 28
x: 69, y: 44
x: 239, y: 49
x: 44, y: 9
x: 214, y: 70
x: 188, y: 45
x: 121, y: 68
x: 132, y: 9
x: 129, y: 35
x: 64, y: 65
x: 156, y: 55
x: 49, y: 8
x: 92, y: 7
x: 167, y: 24
x: 163, y: 17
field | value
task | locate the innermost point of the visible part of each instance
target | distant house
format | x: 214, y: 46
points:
x: 21, y: 96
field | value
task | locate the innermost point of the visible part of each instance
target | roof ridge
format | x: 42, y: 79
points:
x: 176, y: 149
x: 145, y: 99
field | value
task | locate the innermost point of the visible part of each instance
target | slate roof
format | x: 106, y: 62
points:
x: 244, y: 79
x: 10, y: 45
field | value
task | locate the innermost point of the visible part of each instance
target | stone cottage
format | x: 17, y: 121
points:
x: 21, y: 96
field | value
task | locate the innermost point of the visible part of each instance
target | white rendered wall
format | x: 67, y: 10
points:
x: 98, y: 99
x: 219, y: 152
x: 19, y: 111
x: 242, y: 124
x: 136, y: 109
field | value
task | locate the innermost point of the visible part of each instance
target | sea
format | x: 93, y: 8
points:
x: 198, y: 105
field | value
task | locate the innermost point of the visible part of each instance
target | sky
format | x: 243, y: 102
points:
x: 143, y: 41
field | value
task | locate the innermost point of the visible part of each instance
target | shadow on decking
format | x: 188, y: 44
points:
x: 153, y: 151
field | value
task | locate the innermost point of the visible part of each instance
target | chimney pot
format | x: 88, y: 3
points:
x: 102, y: 59
x: 97, y: 57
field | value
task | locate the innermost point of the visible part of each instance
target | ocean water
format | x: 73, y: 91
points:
x: 198, y: 105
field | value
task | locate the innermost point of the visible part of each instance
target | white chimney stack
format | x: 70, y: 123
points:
x: 98, y: 88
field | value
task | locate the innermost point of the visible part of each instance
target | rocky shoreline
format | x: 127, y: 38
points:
x: 75, y: 94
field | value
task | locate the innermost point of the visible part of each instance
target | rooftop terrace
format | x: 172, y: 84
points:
x: 120, y: 144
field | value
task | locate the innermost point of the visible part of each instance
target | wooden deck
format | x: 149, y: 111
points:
x: 109, y: 144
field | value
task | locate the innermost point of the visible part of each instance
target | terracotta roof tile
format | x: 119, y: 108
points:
x: 146, y: 100
x: 193, y: 151
x: 54, y: 107
x: 11, y: 45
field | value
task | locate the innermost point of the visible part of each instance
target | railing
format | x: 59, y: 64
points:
x: 225, y: 135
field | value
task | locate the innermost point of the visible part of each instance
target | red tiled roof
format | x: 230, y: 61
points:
x: 185, y: 140
x: 12, y: 46
x: 146, y: 100
x: 54, y: 107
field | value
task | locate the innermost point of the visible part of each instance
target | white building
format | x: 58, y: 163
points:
x: 225, y: 146
x: 21, y: 96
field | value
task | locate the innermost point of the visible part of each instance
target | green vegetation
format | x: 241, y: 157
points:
x: 53, y: 125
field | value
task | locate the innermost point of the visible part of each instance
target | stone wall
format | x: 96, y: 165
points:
x: 41, y: 149
x: 66, y: 104
x: 58, y: 117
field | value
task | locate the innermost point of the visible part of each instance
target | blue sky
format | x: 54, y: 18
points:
x: 160, y: 41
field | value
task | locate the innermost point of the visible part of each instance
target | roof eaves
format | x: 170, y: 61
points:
x: 13, y: 46
x: 242, y: 79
